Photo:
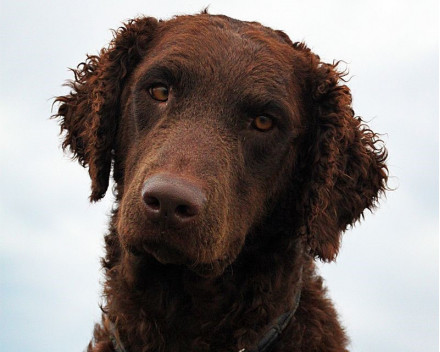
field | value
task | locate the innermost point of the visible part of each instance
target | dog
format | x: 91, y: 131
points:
x: 237, y: 162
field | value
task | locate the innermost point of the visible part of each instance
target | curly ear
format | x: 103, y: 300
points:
x: 344, y: 162
x: 89, y: 114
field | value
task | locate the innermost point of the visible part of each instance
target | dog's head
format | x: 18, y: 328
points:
x: 213, y: 124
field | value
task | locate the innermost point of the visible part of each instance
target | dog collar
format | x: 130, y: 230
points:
x: 263, y: 345
x: 276, y: 329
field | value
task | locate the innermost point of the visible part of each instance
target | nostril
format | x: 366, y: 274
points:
x: 152, y: 202
x: 185, y: 211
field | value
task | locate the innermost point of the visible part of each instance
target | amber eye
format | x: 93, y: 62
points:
x: 262, y: 123
x: 159, y: 92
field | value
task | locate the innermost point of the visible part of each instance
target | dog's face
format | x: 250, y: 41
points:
x: 213, y: 117
x: 213, y: 125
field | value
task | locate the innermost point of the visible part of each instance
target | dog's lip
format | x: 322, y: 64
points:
x: 169, y: 255
x: 165, y: 253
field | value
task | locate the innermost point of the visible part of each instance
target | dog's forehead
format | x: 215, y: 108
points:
x: 224, y: 45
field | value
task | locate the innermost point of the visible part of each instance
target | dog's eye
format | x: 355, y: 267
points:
x: 262, y: 123
x: 159, y: 92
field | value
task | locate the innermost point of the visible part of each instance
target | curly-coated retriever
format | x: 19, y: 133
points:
x: 237, y: 162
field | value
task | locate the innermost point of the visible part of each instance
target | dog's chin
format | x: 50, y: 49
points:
x: 210, y: 270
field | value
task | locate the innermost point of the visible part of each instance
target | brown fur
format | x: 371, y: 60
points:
x: 275, y: 200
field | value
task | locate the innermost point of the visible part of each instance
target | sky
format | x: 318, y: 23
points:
x: 385, y: 281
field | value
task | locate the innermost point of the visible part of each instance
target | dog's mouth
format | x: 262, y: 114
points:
x: 165, y: 253
x: 169, y: 255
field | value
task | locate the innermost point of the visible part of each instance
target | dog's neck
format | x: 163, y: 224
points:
x: 189, y: 312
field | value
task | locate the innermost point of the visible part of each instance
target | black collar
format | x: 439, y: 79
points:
x: 276, y: 329
x: 265, y: 343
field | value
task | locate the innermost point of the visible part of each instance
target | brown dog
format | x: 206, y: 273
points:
x: 237, y: 161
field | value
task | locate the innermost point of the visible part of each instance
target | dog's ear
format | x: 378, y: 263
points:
x: 89, y: 114
x: 344, y: 169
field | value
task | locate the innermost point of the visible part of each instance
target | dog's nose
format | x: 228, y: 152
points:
x: 171, y: 200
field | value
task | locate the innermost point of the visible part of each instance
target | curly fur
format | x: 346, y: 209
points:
x: 276, y: 201
x: 89, y: 114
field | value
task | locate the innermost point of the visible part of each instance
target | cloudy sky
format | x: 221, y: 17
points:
x: 385, y: 280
